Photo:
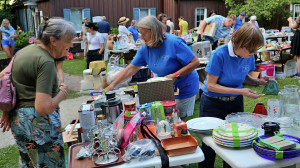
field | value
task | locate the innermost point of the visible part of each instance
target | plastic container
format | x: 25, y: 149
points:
x: 280, y: 75
x: 169, y: 107
x: 270, y: 128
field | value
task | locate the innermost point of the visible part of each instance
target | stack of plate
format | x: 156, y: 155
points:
x: 203, y: 125
x: 234, y: 135
x: 272, y: 154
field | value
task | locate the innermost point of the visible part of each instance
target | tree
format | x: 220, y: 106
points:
x: 269, y: 13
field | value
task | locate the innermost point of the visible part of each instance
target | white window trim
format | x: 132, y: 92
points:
x: 295, y: 10
x: 205, y: 15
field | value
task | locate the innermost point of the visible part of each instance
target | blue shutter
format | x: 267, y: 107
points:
x: 136, y: 14
x: 67, y: 14
x: 153, y: 11
x: 87, y: 13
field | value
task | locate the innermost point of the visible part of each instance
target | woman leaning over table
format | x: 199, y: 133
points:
x: 35, y: 123
x: 227, y: 70
x: 167, y: 56
x: 296, y: 41
x: 95, y: 44
x: 7, y: 36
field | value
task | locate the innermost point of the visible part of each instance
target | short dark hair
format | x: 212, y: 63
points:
x: 91, y: 25
x: 211, y: 12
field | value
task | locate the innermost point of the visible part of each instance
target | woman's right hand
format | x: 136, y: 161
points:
x: 109, y: 88
x: 250, y: 93
x: 64, y: 89
x: 5, y: 122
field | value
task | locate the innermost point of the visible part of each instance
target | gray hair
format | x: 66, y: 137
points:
x: 57, y: 28
x: 253, y: 17
x: 157, y: 30
x: 103, y: 17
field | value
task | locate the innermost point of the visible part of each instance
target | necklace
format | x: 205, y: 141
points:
x: 157, y: 57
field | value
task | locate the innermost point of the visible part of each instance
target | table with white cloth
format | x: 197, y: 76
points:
x: 247, y: 157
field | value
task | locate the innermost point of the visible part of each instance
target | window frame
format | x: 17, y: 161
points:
x: 205, y: 15
x: 294, y: 12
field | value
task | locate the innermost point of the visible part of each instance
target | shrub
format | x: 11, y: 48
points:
x: 114, y: 31
x: 23, y: 38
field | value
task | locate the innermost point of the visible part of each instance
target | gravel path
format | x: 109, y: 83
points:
x: 68, y: 109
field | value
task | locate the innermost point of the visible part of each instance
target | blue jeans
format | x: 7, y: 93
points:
x: 212, y: 107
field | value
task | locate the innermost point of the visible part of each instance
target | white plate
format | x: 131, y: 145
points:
x: 204, y: 123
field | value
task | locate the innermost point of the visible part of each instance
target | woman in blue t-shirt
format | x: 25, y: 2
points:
x: 167, y: 56
x: 227, y: 70
x: 8, y: 34
x: 133, y: 29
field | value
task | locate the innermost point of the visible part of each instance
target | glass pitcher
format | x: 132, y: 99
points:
x: 291, y: 104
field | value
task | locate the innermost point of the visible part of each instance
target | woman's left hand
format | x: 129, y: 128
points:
x: 172, y: 76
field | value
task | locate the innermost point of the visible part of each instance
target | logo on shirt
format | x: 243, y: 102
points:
x: 165, y: 57
x: 245, y: 68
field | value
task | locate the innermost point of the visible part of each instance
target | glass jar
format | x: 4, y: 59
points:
x: 292, y: 102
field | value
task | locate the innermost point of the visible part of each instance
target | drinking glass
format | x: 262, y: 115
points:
x: 273, y: 108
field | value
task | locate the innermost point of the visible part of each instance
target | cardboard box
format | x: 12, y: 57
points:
x: 258, y: 73
x: 97, y: 64
x: 210, y: 29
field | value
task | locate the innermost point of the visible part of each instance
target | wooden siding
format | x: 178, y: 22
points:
x: 187, y: 10
x: 45, y: 6
x: 112, y: 9
x: 170, y: 9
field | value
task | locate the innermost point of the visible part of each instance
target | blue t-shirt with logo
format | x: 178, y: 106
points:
x: 134, y: 32
x: 238, y: 23
x: 231, y: 70
x: 171, y: 56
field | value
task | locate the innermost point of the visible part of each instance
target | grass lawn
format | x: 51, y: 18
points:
x: 74, y: 67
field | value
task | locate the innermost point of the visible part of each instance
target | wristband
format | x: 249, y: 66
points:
x: 177, y: 75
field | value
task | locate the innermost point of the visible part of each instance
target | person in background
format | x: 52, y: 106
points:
x: 35, y: 122
x: 167, y: 56
x: 83, y: 36
x: 7, y: 36
x: 163, y: 18
x: 95, y: 44
x: 296, y: 41
x: 212, y: 13
x: 171, y: 25
x: 104, y: 29
x: 227, y: 70
x: 183, y: 26
x: 43, y: 24
x: 123, y: 31
x: 223, y: 28
x: 253, y: 21
x: 239, y: 21
x: 133, y: 29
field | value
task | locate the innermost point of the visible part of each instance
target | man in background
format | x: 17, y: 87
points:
x: 239, y: 21
x: 104, y: 29
x: 223, y: 28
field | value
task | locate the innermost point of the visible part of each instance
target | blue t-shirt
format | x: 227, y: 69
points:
x: 134, y: 32
x: 238, y: 23
x: 103, y: 27
x: 231, y: 70
x: 172, y: 55
x: 6, y: 33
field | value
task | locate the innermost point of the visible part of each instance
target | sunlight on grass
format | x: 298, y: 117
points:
x: 74, y: 67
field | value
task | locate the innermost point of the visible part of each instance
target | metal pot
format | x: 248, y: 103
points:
x: 112, y: 108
